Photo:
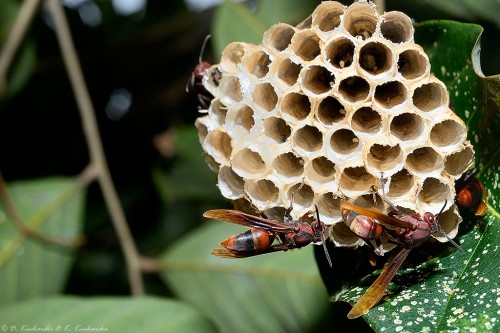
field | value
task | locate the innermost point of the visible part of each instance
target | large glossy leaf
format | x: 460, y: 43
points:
x: 277, y: 292
x: 29, y: 268
x: 447, y: 290
x: 103, y: 314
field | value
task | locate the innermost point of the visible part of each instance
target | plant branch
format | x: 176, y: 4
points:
x: 83, y: 179
x: 94, y: 143
x: 16, y: 34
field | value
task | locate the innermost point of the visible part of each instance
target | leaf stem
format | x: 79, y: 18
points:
x: 16, y: 34
x: 29, y: 231
x: 94, y: 143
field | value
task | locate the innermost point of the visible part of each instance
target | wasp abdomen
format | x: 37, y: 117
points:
x: 250, y: 240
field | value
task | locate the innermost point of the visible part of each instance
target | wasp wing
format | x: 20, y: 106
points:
x: 251, y: 221
x: 378, y: 215
x: 231, y: 254
x: 373, y: 295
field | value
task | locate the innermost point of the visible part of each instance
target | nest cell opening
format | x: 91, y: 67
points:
x: 424, y: 160
x: 265, y: 96
x: 218, y: 145
x: 448, y: 132
x: 360, y: 19
x: 263, y: 192
x: 318, y: 79
x: 257, y: 63
x: 434, y: 193
x: 344, y: 141
x: 218, y: 112
x: 327, y: 15
x: 277, y: 129
x: 412, y: 64
x: 390, y: 94
x: 370, y: 200
x: 279, y: 36
x: 230, y: 87
x: 375, y: 58
x: 240, y: 119
x: 430, y: 96
x: 248, y: 164
x: 321, y: 170
x: 330, y: 111
x: 354, y: 89
x: 396, y: 27
x: 458, y: 162
x: 230, y: 184
x: 342, y: 235
x: 288, y: 71
x: 340, y: 52
x: 303, y: 198
x: 401, y: 183
x: 384, y: 157
x: 289, y: 165
x: 329, y: 207
x: 356, y: 179
x: 449, y: 221
x: 308, y: 138
x: 366, y: 120
x: 231, y: 57
x: 305, y: 44
x: 407, y: 126
x: 202, y: 129
x: 295, y: 106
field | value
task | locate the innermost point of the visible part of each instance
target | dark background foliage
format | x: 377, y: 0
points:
x: 150, y: 147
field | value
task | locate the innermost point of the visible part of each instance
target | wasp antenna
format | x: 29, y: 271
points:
x: 455, y: 244
x: 323, y: 237
x: 203, y: 47
x: 383, y: 192
x: 444, y: 206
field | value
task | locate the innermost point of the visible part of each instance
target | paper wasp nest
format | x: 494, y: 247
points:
x: 334, y: 102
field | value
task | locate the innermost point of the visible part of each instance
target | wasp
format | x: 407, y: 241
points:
x: 292, y: 234
x: 407, y: 231
x: 196, y: 80
x: 471, y: 193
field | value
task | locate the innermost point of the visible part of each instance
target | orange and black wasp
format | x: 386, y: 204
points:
x: 407, y: 231
x: 471, y: 193
x: 292, y: 234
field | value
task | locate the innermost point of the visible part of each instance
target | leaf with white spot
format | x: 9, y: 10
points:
x: 444, y: 289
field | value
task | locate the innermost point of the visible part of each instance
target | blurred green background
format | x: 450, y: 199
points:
x: 136, y: 63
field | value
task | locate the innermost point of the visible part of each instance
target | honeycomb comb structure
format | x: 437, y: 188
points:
x: 332, y: 103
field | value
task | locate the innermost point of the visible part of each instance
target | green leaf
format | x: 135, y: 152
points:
x: 270, y: 12
x: 234, y: 22
x: 277, y: 292
x: 447, y: 290
x: 29, y: 268
x: 103, y: 314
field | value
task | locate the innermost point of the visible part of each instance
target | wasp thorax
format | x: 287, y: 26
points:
x: 333, y: 103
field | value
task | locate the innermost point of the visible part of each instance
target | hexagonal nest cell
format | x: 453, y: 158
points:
x: 335, y: 104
